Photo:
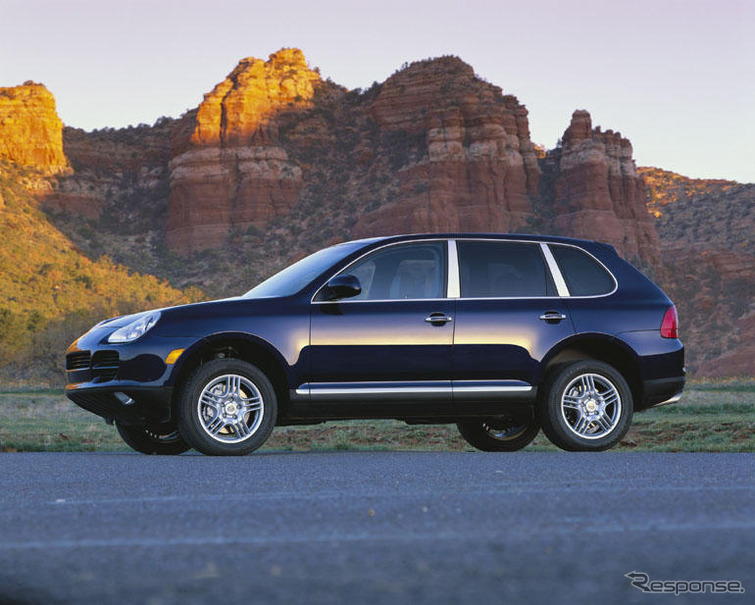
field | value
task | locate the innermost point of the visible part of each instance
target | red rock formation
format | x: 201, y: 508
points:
x: 477, y: 168
x: 119, y: 151
x: 30, y: 129
x: 600, y: 195
x: 111, y: 166
x: 227, y: 167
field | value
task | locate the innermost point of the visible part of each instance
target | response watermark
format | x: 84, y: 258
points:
x: 642, y: 581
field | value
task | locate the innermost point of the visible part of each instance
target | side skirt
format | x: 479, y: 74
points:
x: 431, y: 401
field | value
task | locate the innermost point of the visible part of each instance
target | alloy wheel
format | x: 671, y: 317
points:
x: 230, y: 408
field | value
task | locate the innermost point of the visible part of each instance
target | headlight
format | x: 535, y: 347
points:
x: 135, y: 329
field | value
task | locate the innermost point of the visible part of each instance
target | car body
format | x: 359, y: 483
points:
x: 501, y: 334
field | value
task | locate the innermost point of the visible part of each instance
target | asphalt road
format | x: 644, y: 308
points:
x: 361, y: 528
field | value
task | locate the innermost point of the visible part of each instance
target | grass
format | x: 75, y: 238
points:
x: 710, y: 418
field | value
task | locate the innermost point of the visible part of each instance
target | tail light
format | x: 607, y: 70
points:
x: 670, y: 323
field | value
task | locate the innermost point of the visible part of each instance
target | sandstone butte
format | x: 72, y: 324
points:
x: 227, y: 166
x: 599, y: 193
x: 477, y: 169
x: 31, y: 133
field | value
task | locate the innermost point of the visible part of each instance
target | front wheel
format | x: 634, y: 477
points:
x: 586, y: 406
x: 228, y: 408
x: 161, y: 441
x: 499, y: 434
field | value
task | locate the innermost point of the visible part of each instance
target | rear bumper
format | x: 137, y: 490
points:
x: 662, y: 391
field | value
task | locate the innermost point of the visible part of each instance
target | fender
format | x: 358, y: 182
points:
x: 190, y: 352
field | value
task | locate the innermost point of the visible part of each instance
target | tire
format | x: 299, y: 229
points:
x: 227, y: 408
x: 500, y: 434
x: 586, y: 406
x: 161, y: 441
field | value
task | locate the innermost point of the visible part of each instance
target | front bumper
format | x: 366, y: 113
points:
x: 125, y: 402
x: 130, y: 383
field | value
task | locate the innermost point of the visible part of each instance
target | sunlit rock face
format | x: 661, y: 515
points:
x: 31, y: 133
x: 228, y: 170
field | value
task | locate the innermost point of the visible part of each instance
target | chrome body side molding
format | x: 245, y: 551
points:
x: 440, y: 390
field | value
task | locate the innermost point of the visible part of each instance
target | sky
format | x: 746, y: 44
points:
x: 677, y: 77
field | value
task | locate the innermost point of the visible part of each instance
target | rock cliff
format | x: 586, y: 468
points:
x: 434, y: 148
x: 472, y: 166
x: 30, y: 129
x: 121, y: 172
x: 599, y: 194
x: 227, y: 166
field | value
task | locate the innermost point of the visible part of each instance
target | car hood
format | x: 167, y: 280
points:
x: 187, y: 309
x: 216, y: 315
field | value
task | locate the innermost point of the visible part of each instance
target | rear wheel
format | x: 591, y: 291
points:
x: 228, y: 408
x: 164, y: 441
x: 500, y: 434
x: 586, y: 406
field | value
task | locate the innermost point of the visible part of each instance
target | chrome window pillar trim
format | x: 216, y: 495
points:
x: 561, y: 286
x: 453, y: 289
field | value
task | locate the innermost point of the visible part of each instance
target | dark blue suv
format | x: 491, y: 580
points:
x: 500, y: 334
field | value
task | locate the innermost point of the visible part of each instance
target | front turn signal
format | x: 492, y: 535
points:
x: 173, y: 356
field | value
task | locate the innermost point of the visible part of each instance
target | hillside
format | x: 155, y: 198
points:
x: 666, y: 187
x: 49, y: 291
x: 276, y: 163
x: 706, y: 229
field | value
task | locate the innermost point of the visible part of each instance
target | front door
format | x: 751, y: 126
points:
x: 395, y: 339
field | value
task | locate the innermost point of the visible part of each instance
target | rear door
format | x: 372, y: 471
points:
x: 508, y: 316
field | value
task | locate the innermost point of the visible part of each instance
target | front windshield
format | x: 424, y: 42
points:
x: 294, y: 278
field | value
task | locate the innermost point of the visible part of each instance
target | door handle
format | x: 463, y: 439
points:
x: 553, y: 316
x: 437, y: 318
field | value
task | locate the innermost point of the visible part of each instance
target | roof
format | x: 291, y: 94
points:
x: 465, y: 235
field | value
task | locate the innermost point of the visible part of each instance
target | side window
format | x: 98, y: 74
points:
x: 583, y: 275
x: 405, y: 271
x: 503, y: 270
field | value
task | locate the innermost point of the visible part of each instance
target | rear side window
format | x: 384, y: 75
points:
x: 584, y: 275
x: 502, y: 270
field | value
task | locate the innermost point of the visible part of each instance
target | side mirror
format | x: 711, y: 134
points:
x: 343, y: 286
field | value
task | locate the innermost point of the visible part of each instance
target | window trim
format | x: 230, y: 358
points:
x: 453, y: 282
x: 558, y: 278
x: 453, y: 272
x: 382, y: 300
x: 597, y: 260
x: 513, y: 241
